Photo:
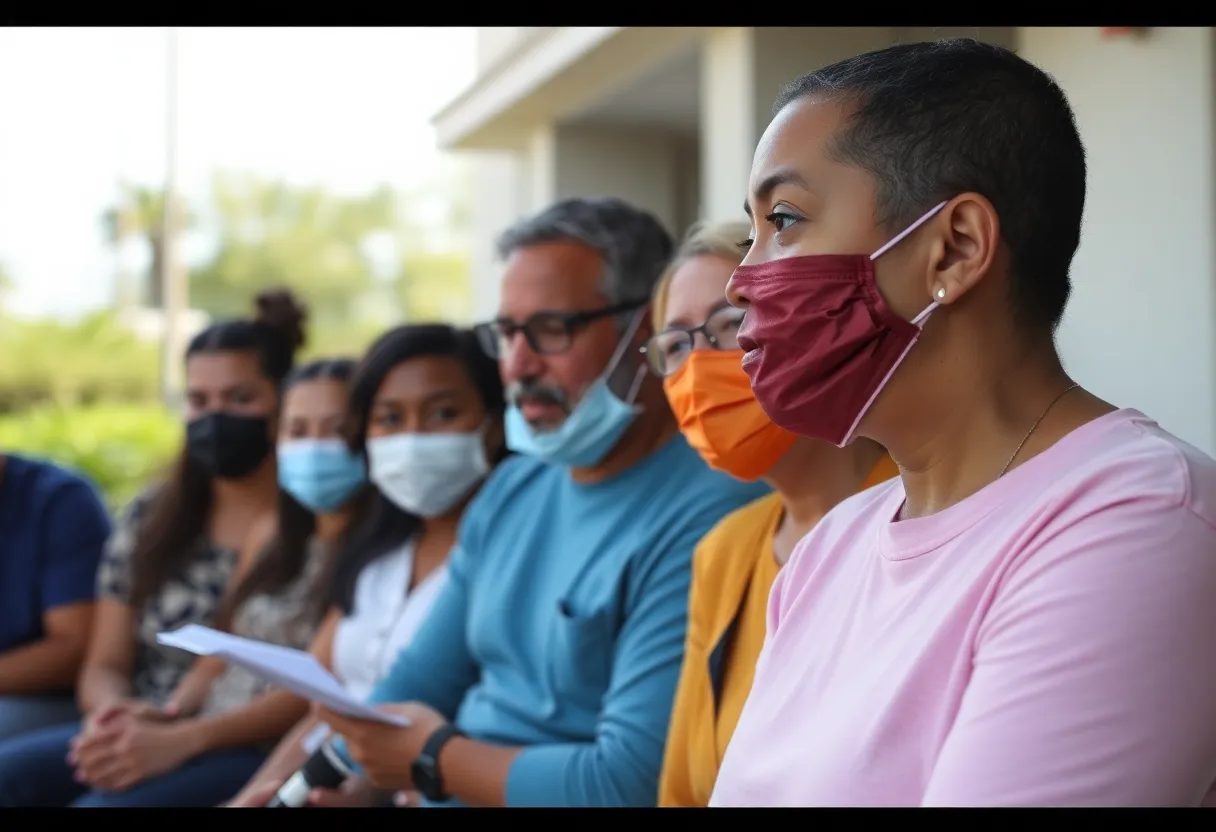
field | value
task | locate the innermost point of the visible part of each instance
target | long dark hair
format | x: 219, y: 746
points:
x: 284, y: 559
x: 176, y: 518
x: 385, y: 527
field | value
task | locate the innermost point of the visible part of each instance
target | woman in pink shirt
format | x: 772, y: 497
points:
x: 1025, y: 616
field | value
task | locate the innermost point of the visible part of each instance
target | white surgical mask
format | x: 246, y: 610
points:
x: 427, y: 473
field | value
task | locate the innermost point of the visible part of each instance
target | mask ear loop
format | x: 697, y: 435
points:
x: 636, y: 387
x: 623, y: 346
x: 619, y: 354
x: 918, y: 321
x: 932, y: 212
x: 895, y: 240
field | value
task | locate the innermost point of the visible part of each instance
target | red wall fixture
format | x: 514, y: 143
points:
x: 1121, y: 31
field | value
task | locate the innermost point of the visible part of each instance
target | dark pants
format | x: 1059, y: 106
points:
x: 22, y: 714
x: 34, y: 772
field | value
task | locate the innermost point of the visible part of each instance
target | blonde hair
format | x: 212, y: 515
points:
x: 719, y: 239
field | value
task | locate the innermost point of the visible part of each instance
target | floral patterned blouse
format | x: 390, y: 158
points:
x: 190, y: 598
x: 279, y: 618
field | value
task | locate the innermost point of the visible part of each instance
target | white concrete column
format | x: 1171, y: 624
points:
x: 1140, y: 330
x: 504, y: 186
x: 501, y: 198
x: 541, y: 162
x: 728, y: 130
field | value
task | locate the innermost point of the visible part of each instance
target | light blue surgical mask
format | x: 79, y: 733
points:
x: 321, y: 474
x: 594, y: 426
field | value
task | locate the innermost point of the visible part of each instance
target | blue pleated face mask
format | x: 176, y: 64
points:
x: 594, y: 426
x: 320, y: 474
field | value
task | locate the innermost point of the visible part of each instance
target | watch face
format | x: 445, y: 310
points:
x: 425, y: 770
x: 425, y: 777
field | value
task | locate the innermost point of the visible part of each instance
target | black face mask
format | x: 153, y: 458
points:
x: 228, y: 447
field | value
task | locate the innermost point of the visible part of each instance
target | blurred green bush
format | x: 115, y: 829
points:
x: 67, y: 364
x: 85, y: 394
x: 120, y: 446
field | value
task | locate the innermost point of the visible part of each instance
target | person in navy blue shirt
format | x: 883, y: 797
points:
x: 53, y: 530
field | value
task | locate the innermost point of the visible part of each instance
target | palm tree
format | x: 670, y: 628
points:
x: 138, y: 214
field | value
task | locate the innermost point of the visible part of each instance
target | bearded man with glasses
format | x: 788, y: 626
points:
x: 545, y: 672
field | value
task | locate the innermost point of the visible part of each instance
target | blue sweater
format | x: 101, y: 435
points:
x: 562, y: 625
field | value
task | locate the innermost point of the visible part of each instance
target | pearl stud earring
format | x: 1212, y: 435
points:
x: 941, y: 292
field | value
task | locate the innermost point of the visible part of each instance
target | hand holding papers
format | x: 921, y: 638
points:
x: 293, y: 670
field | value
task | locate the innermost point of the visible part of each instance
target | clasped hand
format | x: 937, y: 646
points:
x: 126, y: 743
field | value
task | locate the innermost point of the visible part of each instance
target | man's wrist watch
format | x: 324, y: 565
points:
x: 425, y: 770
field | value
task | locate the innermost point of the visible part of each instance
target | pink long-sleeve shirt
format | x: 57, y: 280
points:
x: 1050, y: 640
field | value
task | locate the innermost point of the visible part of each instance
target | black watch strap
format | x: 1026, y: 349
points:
x: 426, y: 768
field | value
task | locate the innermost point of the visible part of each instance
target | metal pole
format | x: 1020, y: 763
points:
x: 126, y: 297
x: 172, y: 293
x: 123, y: 296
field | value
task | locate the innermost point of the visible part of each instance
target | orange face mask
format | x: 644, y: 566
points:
x: 719, y: 416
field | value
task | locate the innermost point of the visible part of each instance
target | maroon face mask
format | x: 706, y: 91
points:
x: 826, y: 341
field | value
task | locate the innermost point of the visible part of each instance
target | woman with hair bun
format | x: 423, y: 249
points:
x: 176, y: 555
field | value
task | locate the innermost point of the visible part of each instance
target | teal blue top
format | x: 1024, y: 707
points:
x: 561, y: 627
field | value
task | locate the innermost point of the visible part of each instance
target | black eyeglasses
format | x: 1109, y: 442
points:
x: 667, y: 351
x: 547, y: 333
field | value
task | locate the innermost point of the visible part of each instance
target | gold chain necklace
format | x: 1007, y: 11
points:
x: 1018, y: 449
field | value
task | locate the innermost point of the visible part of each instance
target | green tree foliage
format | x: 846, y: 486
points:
x: 121, y: 447
x: 435, y: 286
x: 269, y: 233
x: 67, y: 364
x: 6, y: 286
x: 435, y: 277
x: 275, y: 234
x: 85, y: 393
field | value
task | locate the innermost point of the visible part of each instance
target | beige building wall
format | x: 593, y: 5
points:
x: 1141, y: 325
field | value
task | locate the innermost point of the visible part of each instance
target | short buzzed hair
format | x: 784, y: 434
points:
x: 932, y: 120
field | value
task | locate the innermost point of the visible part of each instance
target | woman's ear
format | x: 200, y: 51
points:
x: 967, y: 247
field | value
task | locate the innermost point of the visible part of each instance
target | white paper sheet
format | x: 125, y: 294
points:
x: 293, y: 670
